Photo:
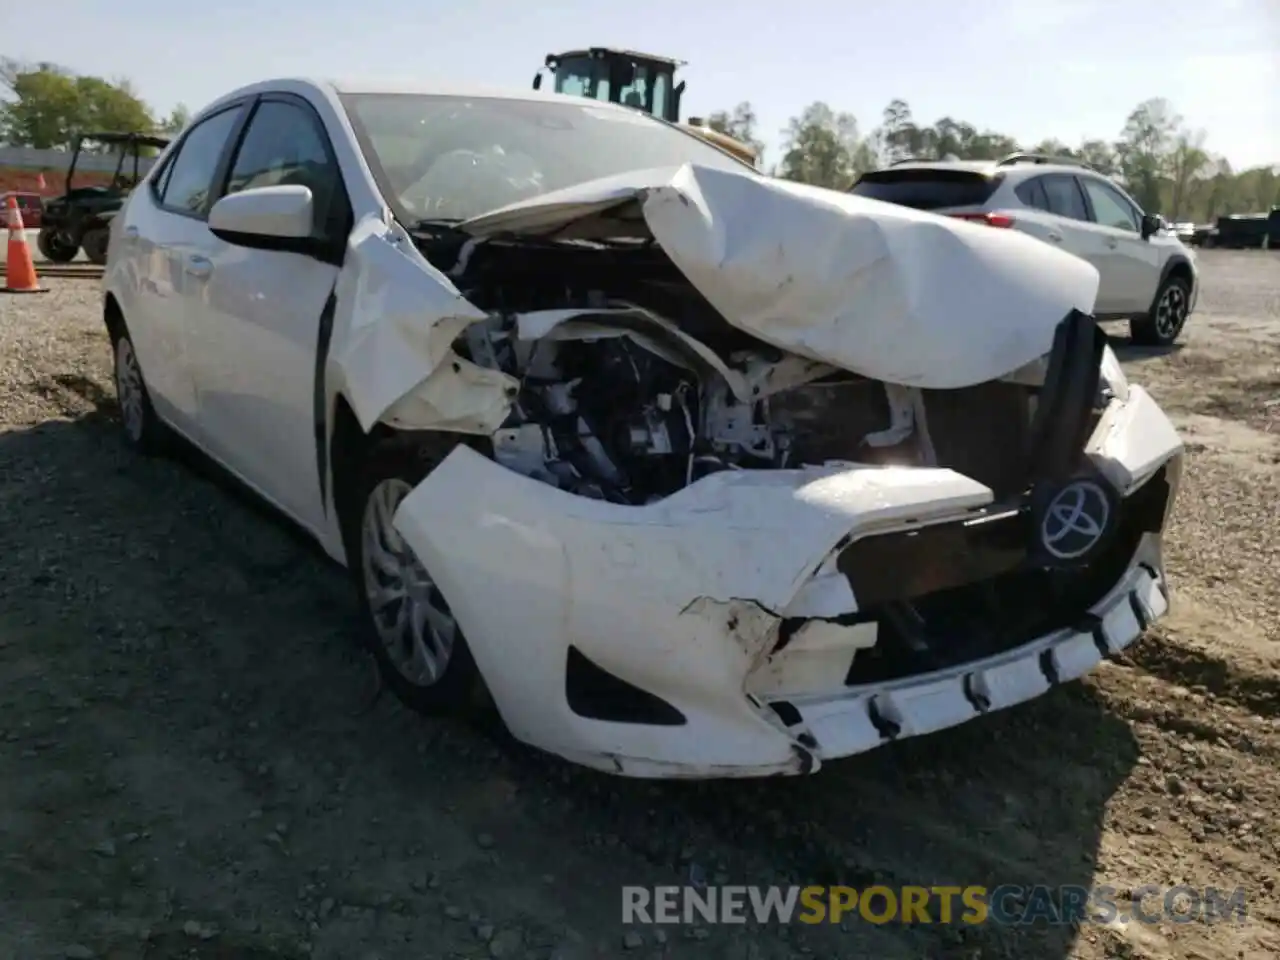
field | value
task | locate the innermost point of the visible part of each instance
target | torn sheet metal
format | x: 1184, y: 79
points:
x: 396, y: 322
x: 891, y: 293
x: 1132, y: 441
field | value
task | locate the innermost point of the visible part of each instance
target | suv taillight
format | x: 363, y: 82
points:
x: 990, y: 219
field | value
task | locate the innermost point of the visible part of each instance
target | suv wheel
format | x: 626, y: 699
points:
x: 1160, y: 327
x: 419, y: 648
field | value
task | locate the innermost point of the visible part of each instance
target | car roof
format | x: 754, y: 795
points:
x: 991, y: 167
x: 978, y: 166
x: 329, y: 87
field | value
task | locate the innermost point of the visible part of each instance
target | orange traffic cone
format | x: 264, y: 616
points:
x: 20, y: 271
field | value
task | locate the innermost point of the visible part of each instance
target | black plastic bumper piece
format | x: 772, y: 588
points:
x: 1064, y: 410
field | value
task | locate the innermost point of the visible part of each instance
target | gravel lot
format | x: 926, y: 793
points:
x: 190, y: 767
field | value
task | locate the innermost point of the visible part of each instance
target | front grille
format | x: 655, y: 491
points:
x: 934, y: 628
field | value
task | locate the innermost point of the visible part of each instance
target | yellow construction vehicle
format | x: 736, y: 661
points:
x: 640, y: 80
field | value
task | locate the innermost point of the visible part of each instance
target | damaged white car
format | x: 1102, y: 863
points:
x: 693, y: 472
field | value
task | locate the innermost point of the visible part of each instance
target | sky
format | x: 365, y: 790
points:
x: 1036, y: 69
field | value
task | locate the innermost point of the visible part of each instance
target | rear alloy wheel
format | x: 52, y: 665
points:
x: 1160, y: 327
x: 410, y: 630
x: 142, y: 428
x: 95, y: 245
x: 54, y: 248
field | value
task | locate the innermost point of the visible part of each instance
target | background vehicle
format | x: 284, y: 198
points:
x: 1146, y: 273
x: 643, y: 81
x: 81, y: 217
x: 1248, y: 230
x: 1204, y: 235
x: 30, y: 205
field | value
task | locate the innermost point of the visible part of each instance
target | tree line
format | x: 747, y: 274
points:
x: 48, y: 105
x: 1164, y: 163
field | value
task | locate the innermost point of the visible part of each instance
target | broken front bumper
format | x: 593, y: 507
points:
x: 646, y: 640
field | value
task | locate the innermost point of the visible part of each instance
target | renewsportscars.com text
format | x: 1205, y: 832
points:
x: 1007, y: 904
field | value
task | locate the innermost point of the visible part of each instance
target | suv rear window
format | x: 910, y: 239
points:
x: 927, y: 188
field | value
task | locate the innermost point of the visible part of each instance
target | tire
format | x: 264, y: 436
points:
x: 94, y: 244
x: 143, y: 430
x: 437, y: 675
x: 53, y: 250
x: 1161, y: 326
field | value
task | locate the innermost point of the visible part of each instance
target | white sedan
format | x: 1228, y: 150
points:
x: 689, y: 471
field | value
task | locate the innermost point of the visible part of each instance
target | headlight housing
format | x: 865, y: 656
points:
x: 1114, y: 381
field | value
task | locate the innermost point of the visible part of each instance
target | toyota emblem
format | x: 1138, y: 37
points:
x: 1076, y: 520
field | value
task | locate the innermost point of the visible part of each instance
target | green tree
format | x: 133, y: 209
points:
x: 49, y: 105
x: 45, y: 106
x: 822, y: 147
x: 1186, y: 162
x: 739, y: 123
x: 177, y: 119
x: 1144, y: 149
x: 1099, y: 155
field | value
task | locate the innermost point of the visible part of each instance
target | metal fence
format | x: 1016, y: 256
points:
x: 58, y: 160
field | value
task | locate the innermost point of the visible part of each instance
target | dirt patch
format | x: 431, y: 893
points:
x: 191, y: 770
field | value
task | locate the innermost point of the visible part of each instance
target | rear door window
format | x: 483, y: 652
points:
x: 1064, y: 196
x: 926, y: 189
x: 1031, y: 192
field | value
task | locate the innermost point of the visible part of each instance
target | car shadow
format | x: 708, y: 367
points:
x: 244, y: 633
x: 1129, y: 352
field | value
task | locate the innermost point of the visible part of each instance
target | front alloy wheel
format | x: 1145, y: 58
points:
x: 410, y: 615
x: 421, y: 651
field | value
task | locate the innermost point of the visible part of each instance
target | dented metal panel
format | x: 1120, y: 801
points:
x: 717, y: 593
x: 892, y: 293
x: 680, y: 597
x: 396, y: 323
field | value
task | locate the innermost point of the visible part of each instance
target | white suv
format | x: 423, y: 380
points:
x: 1148, y: 276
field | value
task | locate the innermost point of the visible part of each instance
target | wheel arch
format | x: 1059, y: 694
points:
x: 1179, y: 267
x: 113, y: 318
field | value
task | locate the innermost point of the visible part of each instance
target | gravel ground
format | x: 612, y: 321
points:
x: 190, y: 767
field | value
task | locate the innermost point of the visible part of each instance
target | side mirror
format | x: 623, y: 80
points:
x: 537, y: 81
x: 275, y: 218
x: 1150, y: 225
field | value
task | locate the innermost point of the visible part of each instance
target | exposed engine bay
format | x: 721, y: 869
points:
x: 631, y: 387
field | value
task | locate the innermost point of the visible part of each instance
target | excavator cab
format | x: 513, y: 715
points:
x: 640, y: 80
x: 643, y: 81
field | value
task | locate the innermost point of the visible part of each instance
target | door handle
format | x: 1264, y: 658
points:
x: 198, y: 266
x: 1112, y: 242
x: 1055, y: 237
x: 131, y: 233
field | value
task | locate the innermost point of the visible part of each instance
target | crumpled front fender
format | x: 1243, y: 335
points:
x: 392, y: 351
x: 678, y: 597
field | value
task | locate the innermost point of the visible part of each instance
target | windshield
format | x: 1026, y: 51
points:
x: 453, y: 158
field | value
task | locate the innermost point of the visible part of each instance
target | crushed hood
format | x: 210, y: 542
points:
x: 888, y: 292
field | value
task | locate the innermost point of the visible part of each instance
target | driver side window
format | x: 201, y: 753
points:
x: 284, y: 145
x: 1109, y: 208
